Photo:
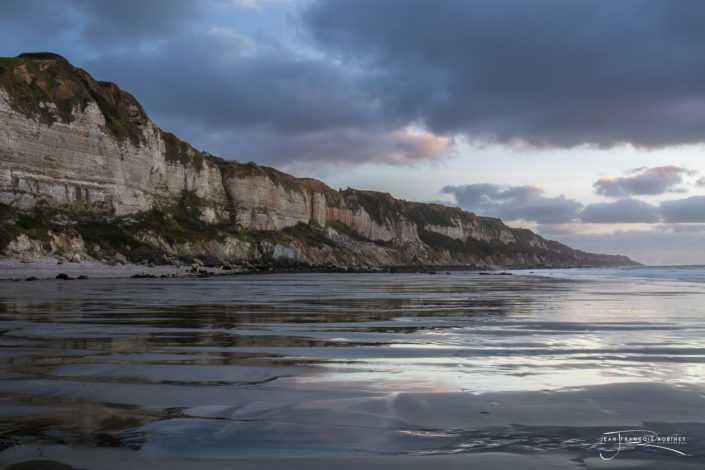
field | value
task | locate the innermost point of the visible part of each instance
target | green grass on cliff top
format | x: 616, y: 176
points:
x: 7, y: 62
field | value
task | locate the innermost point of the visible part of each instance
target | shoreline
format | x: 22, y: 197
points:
x: 371, y: 371
x: 46, y: 269
x: 12, y: 269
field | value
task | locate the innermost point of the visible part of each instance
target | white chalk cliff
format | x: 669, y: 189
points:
x: 80, y: 155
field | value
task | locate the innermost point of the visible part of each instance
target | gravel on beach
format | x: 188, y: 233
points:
x: 50, y: 268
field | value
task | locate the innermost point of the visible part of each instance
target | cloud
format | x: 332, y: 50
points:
x: 529, y: 203
x: 238, y: 96
x: 700, y: 182
x: 682, y: 228
x: 283, y: 93
x: 691, y: 209
x: 656, y: 180
x: 545, y: 73
x: 621, y: 211
x: 273, y: 108
x: 308, y: 151
x: 109, y: 20
x: 540, y: 73
x: 102, y: 22
x: 254, y: 4
x: 688, y: 210
x: 514, y: 202
x: 486, y: 193
x: 410, y: 146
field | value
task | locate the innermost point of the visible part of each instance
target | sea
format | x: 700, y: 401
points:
x: 505, y: 369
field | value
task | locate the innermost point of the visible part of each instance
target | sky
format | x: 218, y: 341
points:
x: 582, y: 120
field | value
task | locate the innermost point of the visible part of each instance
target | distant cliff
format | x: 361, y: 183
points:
x: 85, y: 173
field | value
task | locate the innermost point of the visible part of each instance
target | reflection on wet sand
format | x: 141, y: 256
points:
x: 314, y: 366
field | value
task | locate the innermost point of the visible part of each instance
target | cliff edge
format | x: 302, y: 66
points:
x: 85, y: 174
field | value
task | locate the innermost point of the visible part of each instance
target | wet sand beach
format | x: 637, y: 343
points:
x: 456, y: 370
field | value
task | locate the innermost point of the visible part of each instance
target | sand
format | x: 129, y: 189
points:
x: 552, y: 430
x: 304, y: 371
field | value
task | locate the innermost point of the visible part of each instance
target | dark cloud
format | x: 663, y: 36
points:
x: 688, y: 210
x: 102, y: 22
x: 487, y: 193
x: 621, y: 211
x: 223, y: 91
x: 277, y: 109
x: 307, y: 153
x: 529, y: 203
x: 110, y: 21
x: 691, y: 209
x: 549, y: 72
x: 657, y: 180
x: 35, y: 16
x: 514, y: 202
x: 546, y: 72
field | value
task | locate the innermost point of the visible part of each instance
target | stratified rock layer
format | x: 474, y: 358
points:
x: 80, y: 152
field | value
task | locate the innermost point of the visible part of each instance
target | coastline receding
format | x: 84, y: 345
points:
x: 87, y: 175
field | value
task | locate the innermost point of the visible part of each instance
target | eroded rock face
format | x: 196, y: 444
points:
x: 88, y: 147
x: 77, y: 165
x: 263, y: 205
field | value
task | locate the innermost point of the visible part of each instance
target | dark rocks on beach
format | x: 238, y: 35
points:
x: 38, y: 465
x: 31, y: 278
x: 147, y: 257
x: 64, y: 276
x: 202, y: 260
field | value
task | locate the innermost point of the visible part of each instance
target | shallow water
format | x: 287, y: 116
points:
x: 315, y: 365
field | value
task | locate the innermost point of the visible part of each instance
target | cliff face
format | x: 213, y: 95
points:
x: 84, y: 170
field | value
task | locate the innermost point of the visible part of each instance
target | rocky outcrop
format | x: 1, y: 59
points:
x: 80, y: 160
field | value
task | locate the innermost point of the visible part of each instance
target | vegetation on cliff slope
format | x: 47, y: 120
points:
x: 383, y: 209
x: 473, y: 250
x: 175, y: 224
x: 177, y: 151
x: 45, y: 87
x: 14, y: 223
x: 251, y: 169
